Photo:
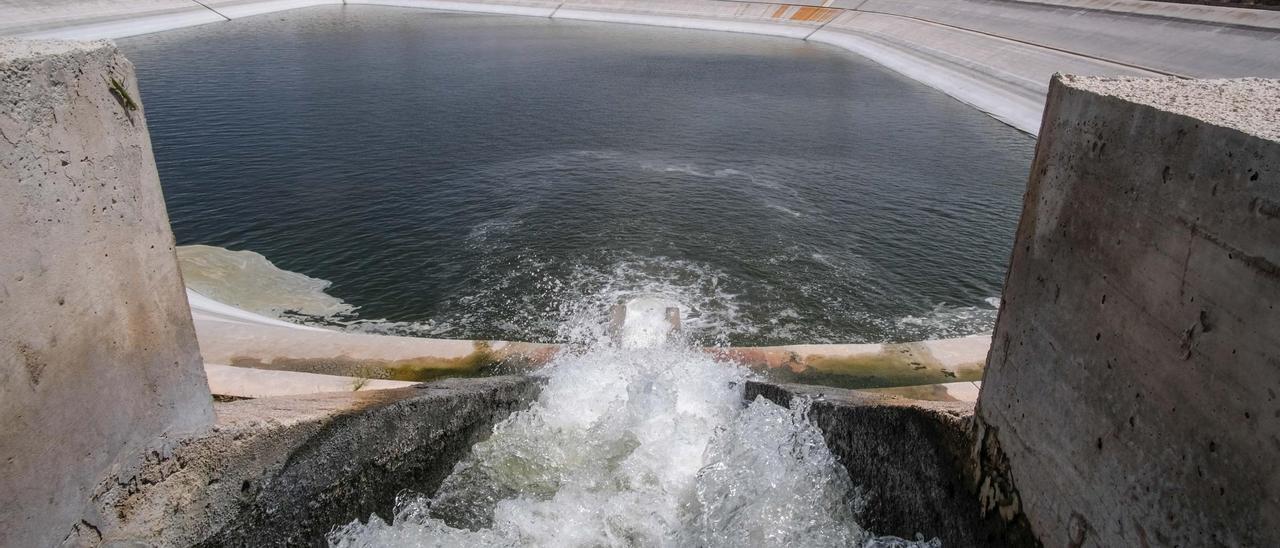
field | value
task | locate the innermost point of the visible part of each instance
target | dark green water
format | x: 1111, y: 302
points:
x: 478, y: 176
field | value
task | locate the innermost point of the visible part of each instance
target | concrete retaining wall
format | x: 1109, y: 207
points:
x: 284, y: 471
x: 911, y: 458
x: 1132, y: 394
x: 98, y: 356
x: 994, y: 55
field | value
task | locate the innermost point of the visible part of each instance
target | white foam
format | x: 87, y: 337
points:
x: 945, y: 321
x: 204, y: 308
x: 646, y: 322
x: 248, y: 281
x: 637, y: 446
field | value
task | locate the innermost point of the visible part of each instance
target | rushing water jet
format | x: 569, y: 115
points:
x: 641, y: 440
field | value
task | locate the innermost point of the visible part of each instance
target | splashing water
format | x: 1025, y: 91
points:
x: 644, y: 443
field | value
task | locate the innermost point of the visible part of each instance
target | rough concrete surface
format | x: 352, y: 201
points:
x: 1250, y: 105
x: 98, y: 356
x: 1132, y: 385
x: 1196, y: 41
x: 910, y: 458
x: 284, y: 471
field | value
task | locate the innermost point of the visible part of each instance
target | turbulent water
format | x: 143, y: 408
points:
x: 644, y: 442
x: 476, y: 176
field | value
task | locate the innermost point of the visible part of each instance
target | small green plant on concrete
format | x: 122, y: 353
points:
x: 359, y: 383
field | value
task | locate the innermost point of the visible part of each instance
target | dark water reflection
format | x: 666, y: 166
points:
x: 471, y: 174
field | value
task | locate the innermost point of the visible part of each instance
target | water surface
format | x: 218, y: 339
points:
x: 479, y: 176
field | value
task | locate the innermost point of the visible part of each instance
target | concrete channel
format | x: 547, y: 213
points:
x: 997, y: 56
x: 1128, y: 398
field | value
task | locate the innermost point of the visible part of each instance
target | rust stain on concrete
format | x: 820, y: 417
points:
x: 813, y: 14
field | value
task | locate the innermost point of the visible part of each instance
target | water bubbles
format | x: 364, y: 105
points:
x: 945, y: 321
x: 636, y: 445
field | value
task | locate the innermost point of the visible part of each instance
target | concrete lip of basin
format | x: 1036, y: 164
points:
x: 245, y: 340
x: 288, y: 469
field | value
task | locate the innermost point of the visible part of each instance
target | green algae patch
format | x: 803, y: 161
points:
x: 419, y: 368
x: 429, y: 367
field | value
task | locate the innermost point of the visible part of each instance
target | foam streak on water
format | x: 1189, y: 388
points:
x: 634, y: 445
x: 787, y: 192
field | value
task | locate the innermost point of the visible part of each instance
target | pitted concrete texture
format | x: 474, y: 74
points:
x: 1131, y: 389
x: 1251, y: 105
x: 910, y: 458
x: 284, y: 471
x: 98, y: 356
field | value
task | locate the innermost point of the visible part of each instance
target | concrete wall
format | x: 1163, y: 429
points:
x: 98, y: 356
x: 284, y: 471
x: 1132, y: 394
x: 994, y: 55
x: 910, y: 459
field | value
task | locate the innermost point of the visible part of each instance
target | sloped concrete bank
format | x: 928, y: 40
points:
x: 994, y: 55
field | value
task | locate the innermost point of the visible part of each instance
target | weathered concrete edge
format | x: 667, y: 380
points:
x: 329, y: 352
x: 285, y: 471
x: 98, y: 357
x: 884, y: 365
x: 917, y: 463
x: 1168, y: 209
x: 243, y: 382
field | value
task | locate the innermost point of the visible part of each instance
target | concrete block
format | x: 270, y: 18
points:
x: 1133, y: 385
x: 98, y: 356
